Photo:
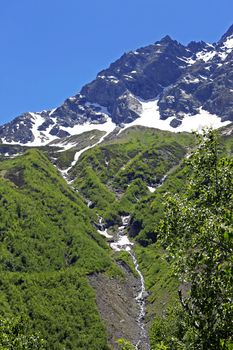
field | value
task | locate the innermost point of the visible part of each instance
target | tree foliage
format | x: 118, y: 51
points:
x: 14, y: 335
x: 48, y: 247
x: 198, y: 235
x: 125, y: 344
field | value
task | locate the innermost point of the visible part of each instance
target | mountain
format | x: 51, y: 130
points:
x: 165, y: 85
x: 80, y: 212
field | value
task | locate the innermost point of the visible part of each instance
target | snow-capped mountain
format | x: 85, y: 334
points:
x: 165, y: 85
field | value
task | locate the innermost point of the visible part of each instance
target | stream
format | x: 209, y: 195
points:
x: 122, y: 242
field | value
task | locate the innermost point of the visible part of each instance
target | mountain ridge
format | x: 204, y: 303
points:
x: 182, y: 80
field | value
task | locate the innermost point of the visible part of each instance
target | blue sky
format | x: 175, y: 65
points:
x: 50, y: 48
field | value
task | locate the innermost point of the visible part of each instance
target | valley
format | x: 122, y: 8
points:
x: 115, y: 217
x: 98, y: 224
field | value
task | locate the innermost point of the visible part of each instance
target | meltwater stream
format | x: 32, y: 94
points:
x: 141, y: 301
x: 122, y: 242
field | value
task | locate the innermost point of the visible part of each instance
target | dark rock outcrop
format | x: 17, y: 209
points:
x: 182, y: 78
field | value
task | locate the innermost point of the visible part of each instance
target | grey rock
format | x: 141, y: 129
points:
x: 175, y: 122
x: 127, y: 108
x: 182, y: 78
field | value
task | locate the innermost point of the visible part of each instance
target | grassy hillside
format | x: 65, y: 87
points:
x: 115, y: 174
x: 48, y: 246
x: 48, y: 242
x: 149, y: 210
x: 74, y: 143
x: 125, y: 167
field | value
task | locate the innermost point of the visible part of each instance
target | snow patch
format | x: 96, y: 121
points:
x: 228, y: 44
x: 37, y: 121
x: 72, y: 98
x: 105, y: 233
x: 206, y: 56
x: 108, y: 127
x: 194, y: 81
x: 190, y: 61
x: 223, y: 56
x: 110, y: 78
x: 151, y: 189
x: 122, y: 244
x: 203, y: 77
x: 128, y: 77
x: 52, y: 111
x: 150, y: 117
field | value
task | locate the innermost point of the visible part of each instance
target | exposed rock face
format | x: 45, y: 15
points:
x: 18, y: 130
x: 126, y: 109
x: 115, y: 299
x: 76, y: 110
x: 182, y: 78
x: 206, y: 83
x: 144, y: 73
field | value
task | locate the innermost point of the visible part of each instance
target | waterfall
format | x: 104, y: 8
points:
x: 142, y: 305
x: 122, y: 242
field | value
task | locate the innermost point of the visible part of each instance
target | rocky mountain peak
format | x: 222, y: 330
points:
x: 196, y: 46
x: 166, y: 81
x: 166, y: 40
x: 228, y: 34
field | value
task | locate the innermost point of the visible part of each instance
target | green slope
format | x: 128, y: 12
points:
x: 124, y: 167
x: 48, y: 241
x: 109, y: 175
x: 48, y: 246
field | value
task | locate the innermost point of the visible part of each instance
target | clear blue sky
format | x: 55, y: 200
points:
x: 50, y: 48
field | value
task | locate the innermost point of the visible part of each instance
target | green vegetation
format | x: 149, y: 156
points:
x: 48, y: 246
x: 61, y: 306
x: 14, y: 335
x: 197, y: 234
x: 125, y: 344
x: 136, y: 190
x: 45, y: 225
x: 124, y: 258
x: 159, y: 281
x: 92, y: 188
x: 63, y: 159
x: 115, y: 174
x: 150, y: 209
